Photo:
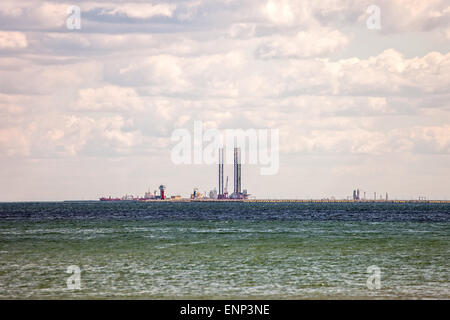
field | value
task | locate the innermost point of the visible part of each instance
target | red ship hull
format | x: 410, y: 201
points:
x: 109, y: 199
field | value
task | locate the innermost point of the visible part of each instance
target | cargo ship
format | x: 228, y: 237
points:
x: 109, y: 199
x: 147, y: 197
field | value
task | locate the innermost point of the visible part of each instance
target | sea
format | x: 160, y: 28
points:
x: 224, y: 250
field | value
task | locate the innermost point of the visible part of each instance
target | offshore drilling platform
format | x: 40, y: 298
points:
x: 237, y: 193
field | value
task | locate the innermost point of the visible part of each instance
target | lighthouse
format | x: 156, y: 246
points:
x: 161, y: 191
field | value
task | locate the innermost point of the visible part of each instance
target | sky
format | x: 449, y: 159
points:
x: 90, y: 111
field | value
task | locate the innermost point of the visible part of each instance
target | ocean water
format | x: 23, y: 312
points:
x: 224, y: 250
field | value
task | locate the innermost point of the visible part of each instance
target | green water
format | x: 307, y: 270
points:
x: 147, y: 252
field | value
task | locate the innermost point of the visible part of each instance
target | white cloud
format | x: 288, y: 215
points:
x: 242, y: 30
x: 235, y: 74
x: 279, y: 12
x: 419, y: 139
x: 12, y: 40
x: 391, y: 72
x: 50, y: 14
x: 53, y: 76
x: 75, y: 134
x: 411, y: 15
x: 11, y: 9
x: 139, y: 10
x: 396, y: 16
x: 447, y: 34
x: 109, y: 98
x: 304, y: 44
x: 14, y: 141
x: 111, y: 129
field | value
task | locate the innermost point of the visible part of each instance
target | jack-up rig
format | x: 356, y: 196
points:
x: 237, y: 191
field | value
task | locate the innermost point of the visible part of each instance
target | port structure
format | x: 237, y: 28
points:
x: 221, y: 194
x: 237, y: 173
x: 356, y: 195
x: 237, y: 189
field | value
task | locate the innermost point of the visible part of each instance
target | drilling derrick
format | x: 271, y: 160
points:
x: 221, y: 192
x: 237, y: 173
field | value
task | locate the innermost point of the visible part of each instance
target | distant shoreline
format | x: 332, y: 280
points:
x: 279, y: 200
x: 236, y: 200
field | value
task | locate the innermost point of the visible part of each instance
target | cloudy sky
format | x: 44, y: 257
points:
x: 90, y: 112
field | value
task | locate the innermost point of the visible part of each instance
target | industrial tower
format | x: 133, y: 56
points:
x: 237, y: 192
x: 237, y: 172
x: 221, y: 194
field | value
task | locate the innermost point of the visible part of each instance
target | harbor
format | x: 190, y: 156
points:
x: 242, y: 195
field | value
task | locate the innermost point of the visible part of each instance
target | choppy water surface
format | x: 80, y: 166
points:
x: 224, y: 250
